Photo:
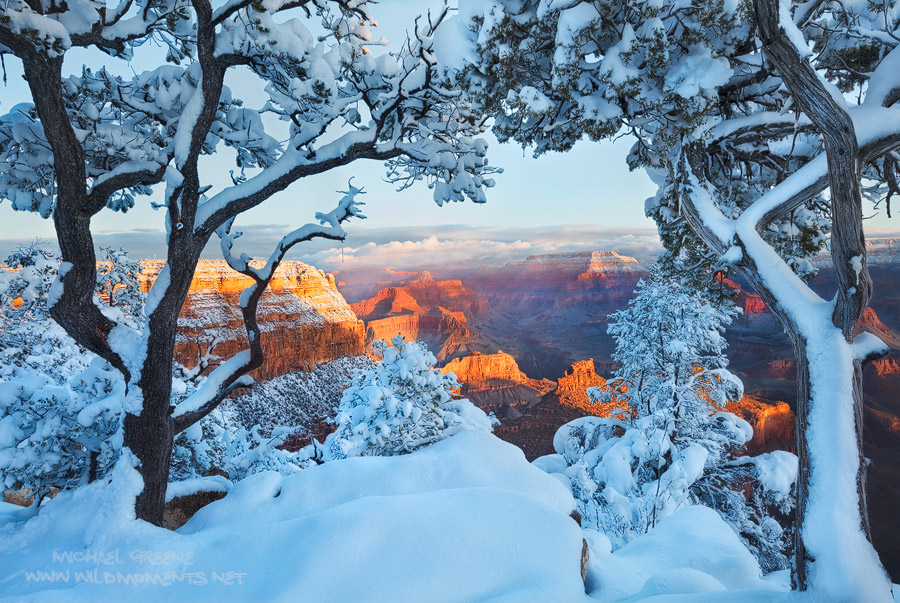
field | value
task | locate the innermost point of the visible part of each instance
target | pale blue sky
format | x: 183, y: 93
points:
x: 588, y: 190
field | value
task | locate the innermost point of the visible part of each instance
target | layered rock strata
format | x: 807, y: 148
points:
x: 304, y: 319
x: 495, y: 383
x: 436, y: 312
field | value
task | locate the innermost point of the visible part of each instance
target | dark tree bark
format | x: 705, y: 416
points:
x: 848, y: 247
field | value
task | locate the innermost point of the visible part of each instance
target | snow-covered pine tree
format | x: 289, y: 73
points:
x: 401, y: 404
x: 676, y: 444
x: 744, y: 114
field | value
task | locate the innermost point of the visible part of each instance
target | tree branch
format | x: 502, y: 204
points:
x: 73, y: 305
x: 290, y: 167
x: 232, y: 374
x: 848, y: 246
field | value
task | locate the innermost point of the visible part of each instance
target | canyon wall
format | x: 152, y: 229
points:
x: 304, y: 319
x: 572, y: 387
x: 774, y: 424
x: 551, y: 310
x: 433, y: 311
x: 494, y: 383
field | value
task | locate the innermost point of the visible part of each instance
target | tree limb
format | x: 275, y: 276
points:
x: 231, y: 374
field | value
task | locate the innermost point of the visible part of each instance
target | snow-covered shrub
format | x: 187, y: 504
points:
x: 626, y: 476
x: 59, y: 436
x: 218, y: 443
x: 676, y: 445
x: 755, y: 496
x: 30, y: 341
x: 401, y: 404
x: 298, y: 399
x: 61, y: 405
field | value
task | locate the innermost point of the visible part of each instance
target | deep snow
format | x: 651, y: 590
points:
x: 466, y: 519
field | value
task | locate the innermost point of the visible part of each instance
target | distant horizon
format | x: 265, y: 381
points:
x: 413, y: 248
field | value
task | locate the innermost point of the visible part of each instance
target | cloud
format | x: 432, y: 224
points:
x: 413, y: 248
x: 467, y: 248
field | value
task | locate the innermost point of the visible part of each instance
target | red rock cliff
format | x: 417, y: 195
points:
x: 304, y: 319
x: 435, y: 312
x: 572, y: 389
x: 495, y: 381
x: 774, y: 424
x: 483, y: 371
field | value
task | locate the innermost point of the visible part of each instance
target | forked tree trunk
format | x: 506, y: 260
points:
x: 833, y: 533
x: 833, y: 551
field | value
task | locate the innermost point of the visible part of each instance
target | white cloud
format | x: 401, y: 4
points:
x: 410, y: 248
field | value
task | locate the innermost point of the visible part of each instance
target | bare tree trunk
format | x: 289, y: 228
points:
x: 150, y: 434
x: 150, y: 437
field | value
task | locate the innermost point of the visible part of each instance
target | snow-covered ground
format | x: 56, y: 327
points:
x: 466, y: 519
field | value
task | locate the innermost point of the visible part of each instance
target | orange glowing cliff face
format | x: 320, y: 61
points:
x: 495, y: 382
x: 426, y: 309
x: 304, y: 319
x: 572, y: 390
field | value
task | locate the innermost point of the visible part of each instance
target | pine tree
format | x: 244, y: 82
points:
x: 676, y: 445
x: 401, y: 404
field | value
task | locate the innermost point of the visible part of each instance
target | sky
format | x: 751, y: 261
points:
x: 580, y: 200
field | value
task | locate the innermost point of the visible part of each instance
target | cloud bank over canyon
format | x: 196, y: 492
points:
x: 406, y: 248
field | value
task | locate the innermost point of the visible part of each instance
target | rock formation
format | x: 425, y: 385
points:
x: 886, y: 366
x: 571, y: 390
x: 483, y: 371
x: 872, y: 324
x: 436, y: 312
x: 495, y: 383
x: 774, y: 424
x: 304, y: 319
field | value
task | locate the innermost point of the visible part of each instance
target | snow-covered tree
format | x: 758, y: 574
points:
x: 92, y: 141
x: 629, y: 472
x: 119, y: 286
x: 401, y: 404
x: 61, y: 406
x: 674, y: 444
x: 671, y: 351
x: 765, y: 124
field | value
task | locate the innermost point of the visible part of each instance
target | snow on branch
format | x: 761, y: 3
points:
x: 233, y: 373
x: 770, y: 274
